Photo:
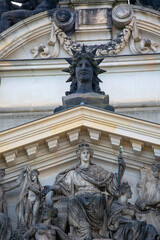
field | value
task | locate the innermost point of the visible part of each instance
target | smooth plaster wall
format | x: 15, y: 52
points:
x: 39, y: 91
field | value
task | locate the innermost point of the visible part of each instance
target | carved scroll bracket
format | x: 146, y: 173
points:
x: 123, y: 18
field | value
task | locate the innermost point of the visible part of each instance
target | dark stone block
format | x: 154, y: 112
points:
x: 92, y: 99
x: 87, y: 98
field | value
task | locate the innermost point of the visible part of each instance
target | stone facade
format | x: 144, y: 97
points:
x: 32, y: 84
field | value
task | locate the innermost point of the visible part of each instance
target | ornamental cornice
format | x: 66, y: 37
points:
x: 37, y: 142
x: 129, y: 33
x: 77, y: 117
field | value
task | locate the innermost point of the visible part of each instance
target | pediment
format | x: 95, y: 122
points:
x: 39, y: 36
x: 53, y: 140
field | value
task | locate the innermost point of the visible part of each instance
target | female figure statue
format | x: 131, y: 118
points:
x: 84, y: 71
x: 122, y: 220
x: 30, y: 200
x: 45, y: 230
x: 149, y: 195
x: 5, y: 224
x: 84, y: 187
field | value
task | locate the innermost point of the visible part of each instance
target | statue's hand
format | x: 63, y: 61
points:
x: 47, y: 189
x: 26, y: 169
x: 121, y: 162
x: 142, y: 205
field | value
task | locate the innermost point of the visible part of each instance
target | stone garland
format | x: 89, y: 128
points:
x: 130, y: 32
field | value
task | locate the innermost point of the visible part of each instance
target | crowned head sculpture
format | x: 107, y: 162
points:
x: 84, y: 71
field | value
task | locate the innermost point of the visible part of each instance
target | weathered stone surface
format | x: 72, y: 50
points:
x: 93, y: 99
x: 122, y: 15
x: 84, y: 197
x: 94, y: 16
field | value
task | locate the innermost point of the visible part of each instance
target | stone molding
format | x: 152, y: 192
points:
x: 99, y: 126
x: 73, y: 136
x: 115, y: 141
x: 79, y: 116
x: 10, y: 158
x: 41, y: 24
x: 116, y: 64
x: 31, y: 151
x: 156, y: 150
x: 24, y: 32
x: 52, y: 143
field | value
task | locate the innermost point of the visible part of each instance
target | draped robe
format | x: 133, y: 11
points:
x: 87, y: 204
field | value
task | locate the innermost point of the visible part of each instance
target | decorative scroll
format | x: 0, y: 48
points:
x: 123, y: 17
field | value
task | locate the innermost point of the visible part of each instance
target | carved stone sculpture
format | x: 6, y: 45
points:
x: 83, y: 189
x: 147, y: 3
x: 46, y: 230
x: 30, y: 200
x: 84, y: 71
x: 149, y: 198
x: 11, y: 15
x: 122, y: 220
x: 5, y: 225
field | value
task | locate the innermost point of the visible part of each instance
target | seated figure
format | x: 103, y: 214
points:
x: 122, y: 221
x: 46, y: 230
x: 80, y: 192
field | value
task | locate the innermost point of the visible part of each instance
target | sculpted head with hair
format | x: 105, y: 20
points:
x: 85, y: 83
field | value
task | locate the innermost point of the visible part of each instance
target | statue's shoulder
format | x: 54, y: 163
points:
x: 65, y: 172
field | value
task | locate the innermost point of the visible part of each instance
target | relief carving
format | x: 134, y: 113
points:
x: 122, y: 16
x: 122, y: 220
x: 30, y: 200
x: 86, y: 190
x: 148, y: 195
x: 88, y: 202
x: 5, y: 223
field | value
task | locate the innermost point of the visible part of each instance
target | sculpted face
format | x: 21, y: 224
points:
x: 45, y: 215
x: 129, y: 193
x: 34, y: 176
x: 84, y: 71
x: 156, y: 174
x: 85, y: 155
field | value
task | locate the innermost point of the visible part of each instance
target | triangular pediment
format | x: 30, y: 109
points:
x: 52, y: 140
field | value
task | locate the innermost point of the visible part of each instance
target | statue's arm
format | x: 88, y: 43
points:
x: 122, y: 166
x: 62, y: 235
x: 55, y: 188
x: 16, y: 183
x: 62, y: 187
x: 152, y: 203
x: 30, y: 233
